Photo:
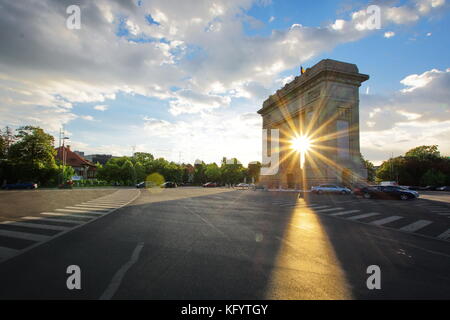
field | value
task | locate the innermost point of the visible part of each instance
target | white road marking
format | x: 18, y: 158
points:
x: 82, y: 219
x: 445, y: 235
x: 87, y: 209
x: 287, y: 204
x: 344, y: 212
x: 386, y: 220
x: 317, y: 207
x: 82, y: 216
x: 97, y: 206
x: 365, y: 215
x: 81, y: 212
x: 311, y: 206
x: 413, y: 227
x: 106, y: 201
x: 327, y: 210
x: 117, y: 279
x: 54, y: 220
x: 24, y: 235
x: 34, y: 225
x: 7, y: 252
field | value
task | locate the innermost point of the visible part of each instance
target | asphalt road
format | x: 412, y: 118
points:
x: 19, y: 203
x: 194, y: 243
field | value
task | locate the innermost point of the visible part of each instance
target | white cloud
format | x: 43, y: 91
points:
x: 271, y: 19
x: 101, y: 107
x: 389, y: 34
x: 417, y: 114
x: 46, y: 69
x: 88, y: 118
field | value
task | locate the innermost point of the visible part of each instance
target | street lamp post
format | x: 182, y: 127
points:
x: 63, y: 157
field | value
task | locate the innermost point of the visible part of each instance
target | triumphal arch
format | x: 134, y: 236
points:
x: 319, y: 107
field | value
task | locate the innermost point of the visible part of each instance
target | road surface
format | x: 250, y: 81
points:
x: 195, y: 243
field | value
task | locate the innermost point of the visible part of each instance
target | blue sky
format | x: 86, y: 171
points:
x: 187, y: 82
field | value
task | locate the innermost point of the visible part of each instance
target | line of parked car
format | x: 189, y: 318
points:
x: 369, y: 192
x: 20, y: 185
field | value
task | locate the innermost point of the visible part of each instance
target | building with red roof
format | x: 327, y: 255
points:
x: 83, y: 168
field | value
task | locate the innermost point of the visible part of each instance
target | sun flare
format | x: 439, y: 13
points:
x: 301, y: 144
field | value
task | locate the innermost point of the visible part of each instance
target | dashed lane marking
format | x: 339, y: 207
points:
x: 386, y: 220
x: 365, y: 215
x: 24, y: 235
x: 54, y: 220
x: 327, y: 210
x: 87, y: 209
x: 445, y: 235
x: 63, y: 215
x: 342, y: 213
x: 81, y: 213
x: 415, y: 226
x: 35, y: 225
x: 62, y: 222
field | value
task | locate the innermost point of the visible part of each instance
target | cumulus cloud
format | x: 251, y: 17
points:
x: 101, y: 107
x: 88, y: 118
x: 193, y: 54
x: 152, y: 47
x: 419, y: 112
x: 207, y: 137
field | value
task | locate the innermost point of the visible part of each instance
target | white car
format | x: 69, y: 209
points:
x: 242, y: 186
x: 330, y: 188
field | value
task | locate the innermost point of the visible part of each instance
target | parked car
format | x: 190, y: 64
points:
x: 387, y: 192
x: 169, y: 184
x: 444, y: 188
x: 210, y: 185
x: 242, y: 186
x: 330, y: 188
x: 259, y: 187
x: 140, y: 185
x: 20, y: 185
x: 66, y: 185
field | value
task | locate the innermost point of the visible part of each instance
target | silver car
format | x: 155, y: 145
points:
x: 330, y: 188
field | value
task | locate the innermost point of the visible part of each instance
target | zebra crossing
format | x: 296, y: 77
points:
x: 22, y: 235
x: 403, y: 224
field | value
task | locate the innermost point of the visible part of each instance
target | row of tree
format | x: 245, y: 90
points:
x: 129, y: 170
x: 421, y: 166
x: 29, y: 155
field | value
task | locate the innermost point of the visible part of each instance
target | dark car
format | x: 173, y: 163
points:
x: 20, y: 185
x: 210, y: 185
x: 444, y: 188
x: 387, y: 192
x: 169, y: 184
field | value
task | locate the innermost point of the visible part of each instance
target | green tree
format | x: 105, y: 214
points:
x: 212, y: 172
x: 371, y: 171
x: 127, y: 172
x: 34, y: 146
x: 254, y: 170
x: 424, y: 153
x: 232, y: 171
x: 32, y: 156
x: 422, y: 165
x: 199, y: 172
x: 433, y: 177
